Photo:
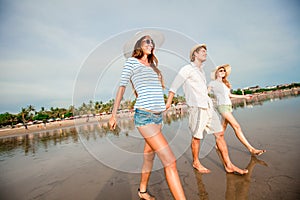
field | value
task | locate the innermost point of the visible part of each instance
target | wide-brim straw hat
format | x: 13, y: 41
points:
x: 227, y: 67
x: 193, y: 49
x: 157, y: 37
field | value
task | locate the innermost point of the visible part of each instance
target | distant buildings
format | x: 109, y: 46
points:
x: 274, y: 87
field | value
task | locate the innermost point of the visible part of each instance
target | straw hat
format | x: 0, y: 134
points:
x: 156, y: 36
x: 227, y: 67
x: 194, y: 49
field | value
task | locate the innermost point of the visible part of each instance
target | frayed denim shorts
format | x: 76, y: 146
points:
x: 142, y: 118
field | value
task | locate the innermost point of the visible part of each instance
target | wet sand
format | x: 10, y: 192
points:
x: 68, y: 171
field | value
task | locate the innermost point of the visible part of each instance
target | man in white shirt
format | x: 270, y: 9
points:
x: 202, y: 116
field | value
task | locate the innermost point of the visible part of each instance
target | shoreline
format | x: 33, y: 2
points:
x: 11, y: 132
x: 257, y: 99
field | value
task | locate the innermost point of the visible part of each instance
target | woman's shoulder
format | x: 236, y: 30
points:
x: 212, y: 82
x: 132, y: 60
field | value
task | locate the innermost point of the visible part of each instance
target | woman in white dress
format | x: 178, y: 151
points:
x: 220, y: 88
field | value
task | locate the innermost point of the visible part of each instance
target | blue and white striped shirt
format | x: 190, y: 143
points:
x: 146, y: 83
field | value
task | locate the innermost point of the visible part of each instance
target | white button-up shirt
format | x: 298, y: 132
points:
x: 194, y: 86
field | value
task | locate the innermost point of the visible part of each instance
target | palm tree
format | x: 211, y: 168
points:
x: 42, y: 110
x: 91, y: 107
x: 71, y: 111
x: 98, y: 106
x: 82, y: 109
x: 30, y: 110
x: 24, y: 113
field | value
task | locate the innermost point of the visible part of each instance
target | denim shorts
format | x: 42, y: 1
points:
x: 142, y: 118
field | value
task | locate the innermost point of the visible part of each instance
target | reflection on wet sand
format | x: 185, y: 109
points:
x: 238, y: 186
x: 49, y: 170
x: 31, y: 142
x: 203, y: 194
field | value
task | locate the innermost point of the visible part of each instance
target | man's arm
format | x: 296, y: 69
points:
x: 178, y: 81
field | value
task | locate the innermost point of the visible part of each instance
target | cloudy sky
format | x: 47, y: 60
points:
x: 52, y: 53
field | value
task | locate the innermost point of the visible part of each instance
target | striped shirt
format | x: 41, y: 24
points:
x: 146, y: 83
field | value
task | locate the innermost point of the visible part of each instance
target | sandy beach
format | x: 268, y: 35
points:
x: 60, y: 166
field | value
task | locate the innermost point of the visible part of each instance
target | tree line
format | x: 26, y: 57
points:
x: 31, y: 114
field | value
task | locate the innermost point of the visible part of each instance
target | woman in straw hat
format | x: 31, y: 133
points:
x: 220, y: 87
x: 141, y: 70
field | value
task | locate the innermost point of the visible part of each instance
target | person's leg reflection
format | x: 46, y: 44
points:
x: 203, y: 194
x: 238, y: 186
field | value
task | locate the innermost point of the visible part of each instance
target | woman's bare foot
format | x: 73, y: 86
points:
x: 255, y: 160
x: 145, y: 195
x: 257, y: 152
x: 234, y: 169
x: 200, y: 168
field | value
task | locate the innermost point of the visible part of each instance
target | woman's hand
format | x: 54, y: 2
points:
x: 168, y: 105
x: 112, y: 123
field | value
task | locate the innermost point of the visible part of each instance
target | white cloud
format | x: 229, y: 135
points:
x: 44, y: 43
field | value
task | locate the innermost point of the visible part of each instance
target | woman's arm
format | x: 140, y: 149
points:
x: 169, y: 101
x: 112, y: 121
x: 247, y: 96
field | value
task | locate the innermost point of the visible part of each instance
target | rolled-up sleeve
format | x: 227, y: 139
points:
x: 179, y: 79
x: 126, y: 73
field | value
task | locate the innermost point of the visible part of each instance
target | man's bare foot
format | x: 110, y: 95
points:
x: 236, y: 170
x: 200, y: 168
x: 257, y: 152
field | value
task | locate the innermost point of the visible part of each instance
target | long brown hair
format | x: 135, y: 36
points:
x: 138, y: 53
x: 224, y: 79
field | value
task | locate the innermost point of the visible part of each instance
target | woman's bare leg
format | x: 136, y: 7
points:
x: 224, y: 123
x: 157, y: 142
x: 222, y: 147
x: 229, y: 118
x: 147, y: 167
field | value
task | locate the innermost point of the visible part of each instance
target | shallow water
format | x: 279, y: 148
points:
x: 91, y: 162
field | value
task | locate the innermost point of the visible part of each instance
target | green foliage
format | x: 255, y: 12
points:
x: 7, y: 119
x: 69, y: 114
x: 238, y: 92
x: 41, y: 116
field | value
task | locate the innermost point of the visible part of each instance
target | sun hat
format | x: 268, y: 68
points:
x: 227, y: 67
x: 194, y: 49
x: 157, y: 36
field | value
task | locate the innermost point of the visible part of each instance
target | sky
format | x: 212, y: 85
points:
x: 61, y: 52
